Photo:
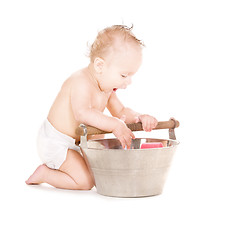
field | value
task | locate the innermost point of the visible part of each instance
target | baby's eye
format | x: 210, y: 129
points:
x: 123, y: 75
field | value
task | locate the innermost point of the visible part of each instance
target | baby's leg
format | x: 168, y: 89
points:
x: 75, y: 167
x: 73, y: 174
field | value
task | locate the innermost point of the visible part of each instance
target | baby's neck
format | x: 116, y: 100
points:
x: 92, y: 75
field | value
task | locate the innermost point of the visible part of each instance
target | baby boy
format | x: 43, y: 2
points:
x: 115, y: 56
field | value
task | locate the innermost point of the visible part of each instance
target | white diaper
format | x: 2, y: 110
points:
x: 53, y: 145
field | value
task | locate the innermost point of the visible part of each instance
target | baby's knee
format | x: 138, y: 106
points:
x: 87, y: 185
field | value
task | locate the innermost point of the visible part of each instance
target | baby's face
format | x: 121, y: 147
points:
x: 119, y: 67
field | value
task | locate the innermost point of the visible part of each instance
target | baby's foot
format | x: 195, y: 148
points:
x: 37, y: 176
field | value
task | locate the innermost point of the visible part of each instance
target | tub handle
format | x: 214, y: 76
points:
x: 83, y: 130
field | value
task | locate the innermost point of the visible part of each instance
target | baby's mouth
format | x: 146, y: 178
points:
x: 115, y: 89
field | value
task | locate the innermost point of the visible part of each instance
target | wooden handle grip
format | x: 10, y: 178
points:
x: 133, y: 127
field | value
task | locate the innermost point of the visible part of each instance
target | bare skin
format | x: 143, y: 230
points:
x: 82, y: 99
x: 73, y: 174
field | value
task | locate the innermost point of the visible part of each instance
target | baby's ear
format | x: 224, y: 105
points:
x: 98, y: 64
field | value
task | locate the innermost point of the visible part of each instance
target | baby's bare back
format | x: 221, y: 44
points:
x: 61, y: 114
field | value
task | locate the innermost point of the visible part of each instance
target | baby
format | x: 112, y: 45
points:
x: 115, y: 56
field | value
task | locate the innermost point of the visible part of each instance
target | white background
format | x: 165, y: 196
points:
x: 185, y: 74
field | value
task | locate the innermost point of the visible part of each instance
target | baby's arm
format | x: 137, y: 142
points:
x: 84, y: 113
x: 117, y: 109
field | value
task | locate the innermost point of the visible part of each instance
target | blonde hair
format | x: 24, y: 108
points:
x: 106, y: 38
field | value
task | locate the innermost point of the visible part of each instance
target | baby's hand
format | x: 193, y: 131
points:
x: 123, y: 133
x: 148, y: 122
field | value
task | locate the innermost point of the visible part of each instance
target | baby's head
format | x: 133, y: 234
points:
x: 108, y: 38
x: 116, y: 55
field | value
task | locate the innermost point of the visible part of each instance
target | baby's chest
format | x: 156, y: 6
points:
x: 99, y: 102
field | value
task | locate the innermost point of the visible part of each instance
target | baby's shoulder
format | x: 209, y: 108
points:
x: 78, y: 77
x: 78, y: 80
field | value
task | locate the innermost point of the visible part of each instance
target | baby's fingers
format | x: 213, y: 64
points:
x: 127, y: 141
x: 132, y: 135
x: 146, y: 126
x: 149, y: 125
x: 124, y: 142
x: 153, y: 124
